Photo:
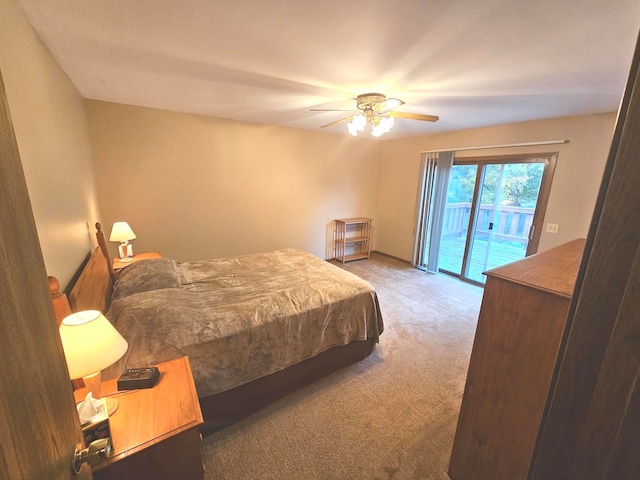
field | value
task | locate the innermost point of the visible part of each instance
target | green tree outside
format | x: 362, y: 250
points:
x: 521, y: 184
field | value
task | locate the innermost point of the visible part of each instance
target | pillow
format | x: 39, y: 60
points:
x: 146, y: 275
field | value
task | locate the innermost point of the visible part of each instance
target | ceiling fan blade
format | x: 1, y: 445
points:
x: 415, y: 116
x: 337, y: 121
x: 331, y: 109
x: 390, y: 104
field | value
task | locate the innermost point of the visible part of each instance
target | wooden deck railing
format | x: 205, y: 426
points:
x: 509, y: 223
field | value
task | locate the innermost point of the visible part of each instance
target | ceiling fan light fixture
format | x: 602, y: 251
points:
x: 359, y: 121
x: 386, y: 123
x: 373, y: 112
x: 356, y: 124
x: 380, y: 124
x: 376, y: 109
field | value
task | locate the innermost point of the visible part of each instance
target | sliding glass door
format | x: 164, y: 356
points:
x: 457, y: 214
x: 493, y: 207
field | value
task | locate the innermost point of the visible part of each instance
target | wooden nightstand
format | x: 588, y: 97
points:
x: 155, y: 430
x: 119, y: 265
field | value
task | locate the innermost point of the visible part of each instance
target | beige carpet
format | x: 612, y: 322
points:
x: 392, y: 416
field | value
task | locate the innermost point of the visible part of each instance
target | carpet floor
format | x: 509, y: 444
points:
x: 391, y: 416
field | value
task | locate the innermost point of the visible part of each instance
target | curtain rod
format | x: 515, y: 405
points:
x: 527, y: 144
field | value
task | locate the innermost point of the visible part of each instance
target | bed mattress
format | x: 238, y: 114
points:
x: 239, y: 318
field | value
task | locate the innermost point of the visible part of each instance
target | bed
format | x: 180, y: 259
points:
x: 255, y: 327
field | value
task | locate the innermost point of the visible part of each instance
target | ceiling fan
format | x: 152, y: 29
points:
x: 376, y: 109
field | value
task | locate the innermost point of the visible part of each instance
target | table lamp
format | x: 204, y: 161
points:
x: 90, y: 345
x: 121, y: 232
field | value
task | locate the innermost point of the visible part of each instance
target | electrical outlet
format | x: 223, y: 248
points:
x: 552, y: 228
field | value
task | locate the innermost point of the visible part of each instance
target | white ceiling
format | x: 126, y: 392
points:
x: 473, y: 63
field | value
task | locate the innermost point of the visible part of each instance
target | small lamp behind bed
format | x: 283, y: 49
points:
x: 121, y: 232
x: 90, y: 345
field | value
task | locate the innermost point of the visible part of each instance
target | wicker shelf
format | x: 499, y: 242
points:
x: 352, y: 234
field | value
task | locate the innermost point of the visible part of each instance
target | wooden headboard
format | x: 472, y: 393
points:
x: 93, y: 289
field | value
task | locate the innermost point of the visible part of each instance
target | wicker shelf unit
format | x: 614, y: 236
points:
x: 353, y: 235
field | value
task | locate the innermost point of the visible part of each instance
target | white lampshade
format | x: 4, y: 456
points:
x: 90, y: 343
x: 121, y: 232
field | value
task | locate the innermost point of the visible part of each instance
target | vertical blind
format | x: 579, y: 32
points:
x: 435, y: 169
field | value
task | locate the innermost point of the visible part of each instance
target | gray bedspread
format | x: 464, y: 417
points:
x: 239, y: 318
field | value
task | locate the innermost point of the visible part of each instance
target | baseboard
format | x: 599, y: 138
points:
x: 392, y: 256
x: 379, y: 253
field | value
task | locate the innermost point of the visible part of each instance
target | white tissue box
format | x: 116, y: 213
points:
x: 98, y: 426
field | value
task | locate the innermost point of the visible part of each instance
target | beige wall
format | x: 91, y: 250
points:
x: 573, y: 193
x: 195, y: 187
x: 52, y: 134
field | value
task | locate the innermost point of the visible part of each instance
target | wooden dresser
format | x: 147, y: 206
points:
x: 522, y: 318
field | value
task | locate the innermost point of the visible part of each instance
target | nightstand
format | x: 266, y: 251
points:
x: 118, y: 264
x: 155, y: 430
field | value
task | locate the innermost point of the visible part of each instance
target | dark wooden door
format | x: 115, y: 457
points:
x: 39, y: 426
x: 592, y: 424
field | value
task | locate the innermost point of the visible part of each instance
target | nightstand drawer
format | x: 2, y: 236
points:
x: 176, y: 458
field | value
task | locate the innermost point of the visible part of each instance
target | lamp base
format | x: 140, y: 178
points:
x: 125, y: 260
x: 112, y: 405
x: 94, y: 384
x: 125, y: 250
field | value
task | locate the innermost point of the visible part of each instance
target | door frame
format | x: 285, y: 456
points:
x: 549, y: 158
